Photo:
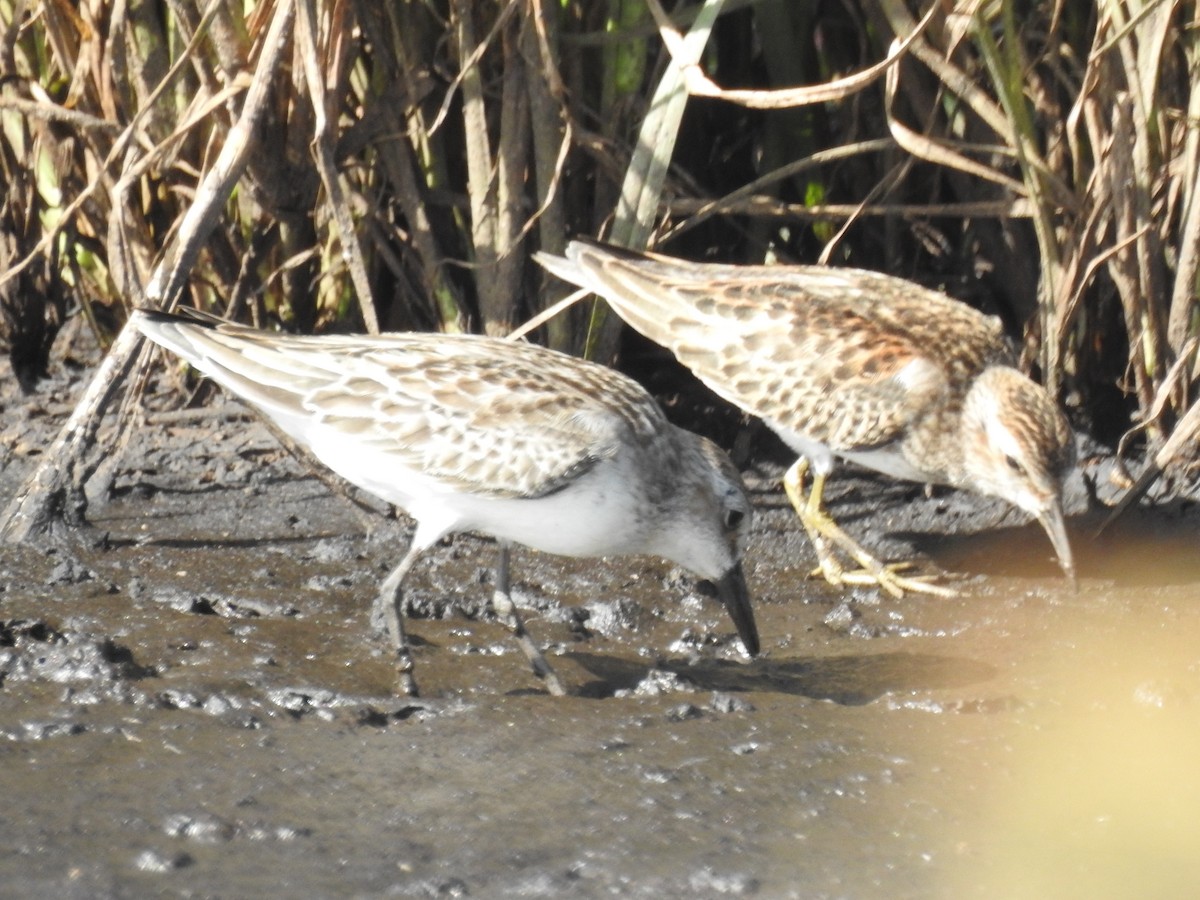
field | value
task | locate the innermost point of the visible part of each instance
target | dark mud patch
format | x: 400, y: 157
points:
x: 192, y: 702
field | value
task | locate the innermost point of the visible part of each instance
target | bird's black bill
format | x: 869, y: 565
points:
x: 731, y: 590
x: 1056, y: 528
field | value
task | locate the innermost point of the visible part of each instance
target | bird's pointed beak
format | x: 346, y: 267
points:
x: 731, y: 590
x: 1052, y: 520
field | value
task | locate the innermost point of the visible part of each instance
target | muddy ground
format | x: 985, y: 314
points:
x: 191, y: 702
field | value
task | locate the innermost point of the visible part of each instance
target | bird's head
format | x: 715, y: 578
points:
x: 1019, y: 446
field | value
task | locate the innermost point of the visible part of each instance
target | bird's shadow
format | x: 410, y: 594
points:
x: 850, y: 679
x: 205, y: 543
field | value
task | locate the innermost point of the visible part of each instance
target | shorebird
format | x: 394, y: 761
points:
x: 507, y: 439
x: 850, y: 364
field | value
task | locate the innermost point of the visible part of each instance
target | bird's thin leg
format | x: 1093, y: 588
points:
x: 825, y: 533
x: 793, y: 485
x: 504, y: 607
x: 389, y: 604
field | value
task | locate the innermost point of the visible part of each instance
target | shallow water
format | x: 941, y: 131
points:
x: 193, y: 706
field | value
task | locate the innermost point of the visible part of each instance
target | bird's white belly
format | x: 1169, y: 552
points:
x: 817, y: 453
x: 888, y: 460
x: 595, y: 515
x: 585, y: 519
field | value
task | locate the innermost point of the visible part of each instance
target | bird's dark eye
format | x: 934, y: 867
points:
x: 1013, y: 463
x: 734, y: 518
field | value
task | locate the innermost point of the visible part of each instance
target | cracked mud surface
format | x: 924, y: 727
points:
x: 192, y: 702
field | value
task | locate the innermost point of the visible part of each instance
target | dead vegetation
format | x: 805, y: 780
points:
x: 394, y: 166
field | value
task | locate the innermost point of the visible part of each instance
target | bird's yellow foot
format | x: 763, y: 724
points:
x: 826, y: 535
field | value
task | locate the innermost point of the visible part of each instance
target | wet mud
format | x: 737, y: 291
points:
x: 192, y: 702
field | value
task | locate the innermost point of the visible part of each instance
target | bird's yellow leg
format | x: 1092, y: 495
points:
x: 825, y: 534
x: 807, y: 507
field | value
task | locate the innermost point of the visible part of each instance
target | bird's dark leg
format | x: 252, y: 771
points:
x: 389, y: 605
x: 504, y: 607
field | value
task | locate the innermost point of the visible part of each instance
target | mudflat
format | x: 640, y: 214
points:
x: 192, y: 703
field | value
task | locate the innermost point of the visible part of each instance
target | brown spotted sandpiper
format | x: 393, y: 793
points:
x: 851, y: 364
